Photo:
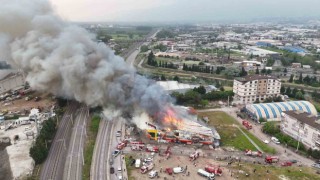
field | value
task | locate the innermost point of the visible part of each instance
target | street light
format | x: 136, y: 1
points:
x: 300, y: 125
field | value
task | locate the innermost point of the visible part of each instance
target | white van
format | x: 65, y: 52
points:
x: 153, y: 174
x: 177, y: 170
x: 204, y: 173
x: 138, y: 163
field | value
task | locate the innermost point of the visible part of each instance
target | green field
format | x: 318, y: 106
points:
x: 231, y: 135
x: 274, y: 173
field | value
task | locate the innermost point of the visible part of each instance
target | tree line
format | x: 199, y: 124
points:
x: 198, y: 97
x: 311, y: 81
x: 40, y: 149
x: 153, y: 62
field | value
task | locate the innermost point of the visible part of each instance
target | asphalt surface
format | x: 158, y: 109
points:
x: 106, y: 140
x: 53, y: 167
x: 283, y: 152
x: 75, y: 159
x: 99, y: 170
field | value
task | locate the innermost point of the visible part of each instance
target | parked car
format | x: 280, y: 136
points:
x: 116, y: 153
x: 275, y: 140
x: 293, y: 161
x: 118, y: 134
x: 316, y: 165
x: 266, y: 141
x: 111, y: 170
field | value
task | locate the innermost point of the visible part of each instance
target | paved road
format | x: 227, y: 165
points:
x: 54, y: 165
x: 131, y: 57
x: 283, y: 152
x: 106, y: 143
x: 75, y: 159
x: 99, y: 168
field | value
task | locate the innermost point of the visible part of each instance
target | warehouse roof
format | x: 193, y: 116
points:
x: 175, y: 86
x: 274, y: 110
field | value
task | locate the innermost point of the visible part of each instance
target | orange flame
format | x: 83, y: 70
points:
x: 171, y: 119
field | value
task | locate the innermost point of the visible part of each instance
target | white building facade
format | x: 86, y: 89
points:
x: 303, y: 127
x: 255, y: 87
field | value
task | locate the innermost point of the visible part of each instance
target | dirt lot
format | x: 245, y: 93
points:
x: 176, y: 161
x: 22, y: 104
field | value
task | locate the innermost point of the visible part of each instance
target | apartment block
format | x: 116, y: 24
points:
x: 255, y: 87
x: 303, y: 127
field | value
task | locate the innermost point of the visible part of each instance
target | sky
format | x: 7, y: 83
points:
x: 183, y: 10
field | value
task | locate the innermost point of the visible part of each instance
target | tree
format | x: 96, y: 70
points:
x: 144, y: 48
x: 285, y: 70
x: 300, y: 78
x: 163, y: 78
x: 130, y: 35
x: 176, y: 78
x: 288, y: 91
x: 282, y: 90
x: 294, y: 92
x: 269, y: 71
x: 221, y: 88
x: 243, y: 72
x: 263, y: 71
x: 291, y: 78
x: 204, y: 102
x: 257, y: 71
x: 200, y: 90
x: 299, y: 95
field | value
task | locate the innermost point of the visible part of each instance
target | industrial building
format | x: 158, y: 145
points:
x: 303, y: 127
x: 273, y: 111
x: 255, y: 88
x: 174, y: 86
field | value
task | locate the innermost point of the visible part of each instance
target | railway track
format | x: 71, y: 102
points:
x: 75, y: 159
x: 54, y: 164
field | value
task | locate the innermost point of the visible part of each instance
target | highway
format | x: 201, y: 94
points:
x: 107, y: 141
x: 53, y: 167
x: 99, y: 170
x: 75, y: 159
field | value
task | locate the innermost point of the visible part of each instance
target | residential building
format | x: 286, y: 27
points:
x: 255, y: 88
x: 303, y: 127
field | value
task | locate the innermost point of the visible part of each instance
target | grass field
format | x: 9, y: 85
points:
x: 232, y: 136
x: 274, y: 173
x: 89, y: 146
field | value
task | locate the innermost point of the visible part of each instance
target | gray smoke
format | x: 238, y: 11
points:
x: 65, y: 60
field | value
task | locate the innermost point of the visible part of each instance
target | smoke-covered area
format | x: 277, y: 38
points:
x: 65, y: 59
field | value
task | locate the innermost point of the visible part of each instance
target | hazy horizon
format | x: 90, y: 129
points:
x: 184, y: 10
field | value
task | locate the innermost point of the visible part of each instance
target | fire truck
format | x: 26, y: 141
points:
x: 137, y: 146
x: 146, y: 167
x: 272, y: 159
x: 249, y: 152
x: 121, y: 145
x: 213, y: 169
x: 152, y: 149
x: 247, y: 124
x: 194, y: 156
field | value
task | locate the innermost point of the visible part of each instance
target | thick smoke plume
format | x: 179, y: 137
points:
x: 65, y: 59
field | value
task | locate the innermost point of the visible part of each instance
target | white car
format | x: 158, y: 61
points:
x: 120, y: 177
x: 266, y: 141
x: 275, y: 140
x: 118, y: 134
x: 119, y: 169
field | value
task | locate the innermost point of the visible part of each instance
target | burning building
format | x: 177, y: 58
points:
x: 181, y: 125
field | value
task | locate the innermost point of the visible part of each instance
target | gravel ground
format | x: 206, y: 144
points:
x: 183, y: 161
